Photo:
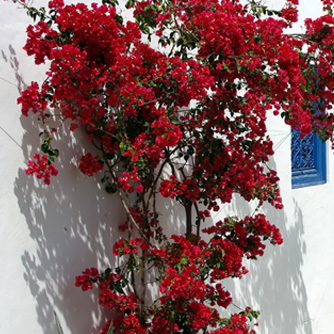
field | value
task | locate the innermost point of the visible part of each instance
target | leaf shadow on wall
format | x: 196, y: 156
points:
x: 73, y: 225
x: 274, y: 284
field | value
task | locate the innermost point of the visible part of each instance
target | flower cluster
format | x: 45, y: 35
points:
x: 90, y: 165
x: 32, y: 100
x: 185, y: 121
x: 186, y: 299
x: 42, y: 168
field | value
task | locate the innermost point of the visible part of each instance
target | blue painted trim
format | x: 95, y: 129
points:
x: 312, y: 176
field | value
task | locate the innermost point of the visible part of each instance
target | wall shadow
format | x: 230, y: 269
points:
x: 72, y: 225
x: 274, y: 284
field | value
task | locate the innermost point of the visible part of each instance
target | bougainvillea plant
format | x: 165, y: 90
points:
x: 174, y: 102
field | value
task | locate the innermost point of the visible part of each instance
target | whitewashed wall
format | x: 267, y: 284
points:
x: 48, y: 235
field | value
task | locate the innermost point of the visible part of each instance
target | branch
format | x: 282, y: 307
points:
x: 126, y: 207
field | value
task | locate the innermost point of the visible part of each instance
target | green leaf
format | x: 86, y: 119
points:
x: 110, y: 2
x: 48, y: 97
x: 123, y: 147
x: 226, y: 67
x: 106, y: 273
x: 109, y: 156
x: 111, y: 328
x: 98, y: 133
x: 110, y: 189
x: 45, y: 147
x: 119, y: 19
x: 59, y: 328
x: 147, y: 9
x: 50, y: 153
x: 130, y: 3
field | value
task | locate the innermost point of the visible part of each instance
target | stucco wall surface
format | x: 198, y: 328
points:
x: 50, y: 234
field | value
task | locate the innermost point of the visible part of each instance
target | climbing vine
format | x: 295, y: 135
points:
x: 174, y: 102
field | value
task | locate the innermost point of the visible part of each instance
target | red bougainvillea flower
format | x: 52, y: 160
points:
x: 41, y: 168
x: 186, y: 122
x: 90, y: 165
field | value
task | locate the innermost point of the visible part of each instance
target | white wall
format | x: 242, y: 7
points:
x: 291, y: 284
x: 50, y: 234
